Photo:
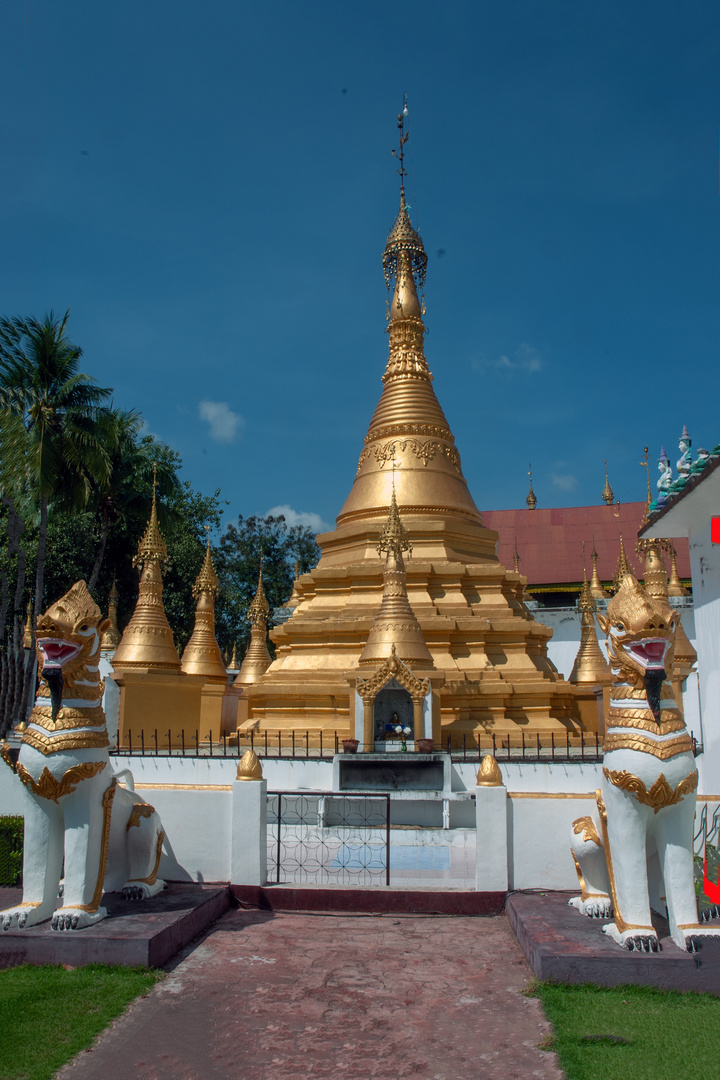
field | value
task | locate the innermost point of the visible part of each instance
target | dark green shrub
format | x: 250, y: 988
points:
x: 11, y: 851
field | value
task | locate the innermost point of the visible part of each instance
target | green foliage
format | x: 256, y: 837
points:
x: 49, y: 1014
x: 11, y: 850
x: 237, y: 561
x: 632, y: 1031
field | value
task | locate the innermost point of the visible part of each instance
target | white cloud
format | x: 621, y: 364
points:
x: 295, y: 517
x: 564, y: 481
x: 525, y: 360
x: 225, y: 424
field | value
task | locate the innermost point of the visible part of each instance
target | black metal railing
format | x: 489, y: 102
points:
x: 329, y: 838
x: 567, y: 747
x: 296, y: 745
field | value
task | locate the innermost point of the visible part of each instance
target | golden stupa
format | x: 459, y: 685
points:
x: 257, y: 659
x: 590, y: 667
x: 202, y: 654
x: 488, y: 652
x: 147, y: 642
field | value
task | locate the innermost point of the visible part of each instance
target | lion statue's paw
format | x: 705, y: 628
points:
x: 640, y: 939
x: 22, y: 916
x: 140, y: 890
x: 70, y: 918
x: 692, y: 937
x: 595, y: 907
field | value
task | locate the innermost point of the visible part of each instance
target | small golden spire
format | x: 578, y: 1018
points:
x: 148, y: 640
x: 257, y: 659
x: 623, y: 566
x: 233, y: 665
x: 531, y: 500
x: 516, y: 558
x: 404, y: 258
x: 202, y: 654
x: 111, y: 637
x: 675, y: 585
x: 27, y: 635
x: 294, y: 595
x: 590, y: 665
x: 249, y: 767
x: 608, y: 495
x: 597, y: 590
x: 152, y: 545
x: 259, y: 609
x: 395, y: 626
x: 394, y: 536
x: 655, y: 579
x: 489, y: 774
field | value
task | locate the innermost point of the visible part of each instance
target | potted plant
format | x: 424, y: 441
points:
x: 350, y: 746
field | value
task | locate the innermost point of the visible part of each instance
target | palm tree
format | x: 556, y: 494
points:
x: 124, y: 490
x: 51, y: 447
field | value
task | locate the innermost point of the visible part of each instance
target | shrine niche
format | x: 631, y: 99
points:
x: 394, y: 690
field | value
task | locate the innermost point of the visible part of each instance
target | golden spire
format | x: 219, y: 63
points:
x: 531, y: 500
x: 597, y: 589
x: 608, y: 495
x: 590, y: 665
x: 646, y: 465
x: 27, y: 635
x: 233, y: 665
x: 623, y: 566
x: 655, y: 579
x: 294, y: 599
x: 408, y: 428
x: 257, y: 658
x: 148, y: 640
x: 516, y: 558
x: 111, y: 637
x: 675, y: 585
x: 202, y: 654
x: 395, y: 624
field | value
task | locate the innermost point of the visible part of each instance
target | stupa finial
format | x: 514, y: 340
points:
x: 111, y: 637
x: 623, y: 566
x: 259, y: 609
x: 207, y: 579
x: 645, y: 464
x: 516, y: 558
x: 531, y: 500
x: 404, y: 257
x: 152, y: 546
x: 608, y: 495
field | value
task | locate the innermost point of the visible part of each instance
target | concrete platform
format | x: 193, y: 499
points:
x: 146, y: 934
x: 376, y: 900
x: 562, y: 945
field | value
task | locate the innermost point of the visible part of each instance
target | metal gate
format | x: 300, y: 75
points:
x: 328, y: 838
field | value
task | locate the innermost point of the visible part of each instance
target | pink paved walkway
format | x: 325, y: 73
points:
x: 286, y: 996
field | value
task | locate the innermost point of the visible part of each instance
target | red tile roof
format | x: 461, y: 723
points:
x: 549, y: 541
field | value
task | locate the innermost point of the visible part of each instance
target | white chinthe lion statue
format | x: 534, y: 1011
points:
x: 109, y: 839
x: 636, y: 853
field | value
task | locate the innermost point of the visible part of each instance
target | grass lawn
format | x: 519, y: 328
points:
x: 48, y: 1014
x: 667, y: 1035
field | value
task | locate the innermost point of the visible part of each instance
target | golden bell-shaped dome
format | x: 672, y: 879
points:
x: 409, y: 437
x: 590, y: 664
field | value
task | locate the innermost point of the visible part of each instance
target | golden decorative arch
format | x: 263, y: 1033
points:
x: 393, y: 668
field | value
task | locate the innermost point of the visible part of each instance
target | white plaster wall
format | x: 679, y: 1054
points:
x: 705, y: 567
x: 539, y: 832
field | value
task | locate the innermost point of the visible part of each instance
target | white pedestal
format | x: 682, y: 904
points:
x: 491, y: 867
x: 248, y: 858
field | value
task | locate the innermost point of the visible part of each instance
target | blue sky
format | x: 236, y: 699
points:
x: 208, y: 188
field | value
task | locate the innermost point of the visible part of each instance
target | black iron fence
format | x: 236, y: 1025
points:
x: 567, y: 747
x: 329, y: 838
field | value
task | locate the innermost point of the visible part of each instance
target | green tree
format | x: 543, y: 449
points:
x: 237, y: 561
x: 51, y: 448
